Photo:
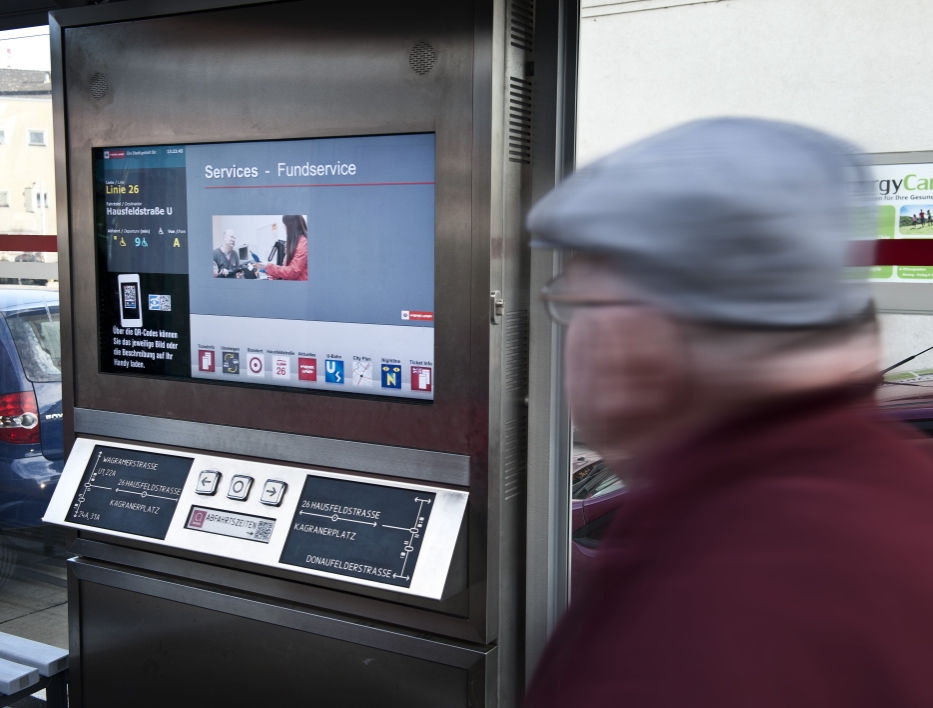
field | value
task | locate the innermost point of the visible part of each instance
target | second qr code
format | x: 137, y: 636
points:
x: 162, y: 303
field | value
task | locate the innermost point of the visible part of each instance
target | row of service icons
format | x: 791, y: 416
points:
x: 390, y: 375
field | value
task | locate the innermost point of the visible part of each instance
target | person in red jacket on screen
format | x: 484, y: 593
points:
x: 296, y: 251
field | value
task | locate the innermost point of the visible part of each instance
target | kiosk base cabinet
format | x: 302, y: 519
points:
x: 152, y: 642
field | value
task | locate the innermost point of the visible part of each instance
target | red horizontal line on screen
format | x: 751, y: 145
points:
x: 282, y: 186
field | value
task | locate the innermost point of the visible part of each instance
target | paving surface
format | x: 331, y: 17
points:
x: 33, y: 598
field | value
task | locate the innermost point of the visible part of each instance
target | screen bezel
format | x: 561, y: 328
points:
x: 380, y: 96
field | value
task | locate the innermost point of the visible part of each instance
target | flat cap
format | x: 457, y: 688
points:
x: 729, y: 220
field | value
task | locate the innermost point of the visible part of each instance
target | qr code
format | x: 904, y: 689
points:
x: 129, y: 296
x: 264, y: 531
x: 163, y: 303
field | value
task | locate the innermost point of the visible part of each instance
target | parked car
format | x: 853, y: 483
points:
x: 908, y: 397
x: 31, y: 447
x: 595, y: 492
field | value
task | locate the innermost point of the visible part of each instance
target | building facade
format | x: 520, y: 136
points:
x: 27, y: 164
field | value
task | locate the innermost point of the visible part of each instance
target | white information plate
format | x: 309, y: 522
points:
x: 380, y: 533
x: 228, y: 523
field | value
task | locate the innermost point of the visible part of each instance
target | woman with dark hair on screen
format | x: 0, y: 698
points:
x: 296, y: 251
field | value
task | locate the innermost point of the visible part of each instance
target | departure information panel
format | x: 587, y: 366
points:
x: 307, y: 264
x: 131, y: 491
x: 380, y: 533
x: 365, y: 531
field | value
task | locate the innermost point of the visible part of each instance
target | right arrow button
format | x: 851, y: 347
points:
x: 272, y: 492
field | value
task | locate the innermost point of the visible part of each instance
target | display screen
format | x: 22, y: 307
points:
x: 305, y: 263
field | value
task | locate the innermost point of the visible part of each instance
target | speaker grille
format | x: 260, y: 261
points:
x: 520, y: 106
x: 516, y: 352
x: 515, y: 430
x: 99, y: 85
x: 422, y: 58
x: 515, y: 461
x: 522, y: 25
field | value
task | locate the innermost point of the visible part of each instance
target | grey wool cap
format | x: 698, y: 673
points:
x: 729, y: 220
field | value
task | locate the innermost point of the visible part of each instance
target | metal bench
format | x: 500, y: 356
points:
x: 27, y: 667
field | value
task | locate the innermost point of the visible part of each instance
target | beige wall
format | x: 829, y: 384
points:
x: 856, y: 68
x: 22, y: 165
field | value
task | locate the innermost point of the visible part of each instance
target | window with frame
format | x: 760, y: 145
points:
x: 2, y: 136
x: 37, y: 137
x: 4, y: 198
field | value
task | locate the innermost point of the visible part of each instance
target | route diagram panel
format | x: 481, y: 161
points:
x: 131, y: 491
x: 367, y: 531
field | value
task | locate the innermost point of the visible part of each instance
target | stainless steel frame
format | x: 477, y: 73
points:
x: 427, y: 465
x: 549, y: 439
x: 221, y: 70
x: 279, y: 71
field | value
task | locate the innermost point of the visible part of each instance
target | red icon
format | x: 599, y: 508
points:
x: 418, y: 315
x: 421, y: 378
x: 205, y: 360
x: 307, y: 369
x: 197, y: 519
x: 255, y: 365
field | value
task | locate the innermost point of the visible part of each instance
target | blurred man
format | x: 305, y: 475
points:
x: 776, y: 548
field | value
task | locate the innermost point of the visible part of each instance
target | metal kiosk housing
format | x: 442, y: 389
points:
x: 152, y: 624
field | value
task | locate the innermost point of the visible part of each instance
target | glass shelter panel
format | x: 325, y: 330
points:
x: 33, y: 600
x: 27, y: 165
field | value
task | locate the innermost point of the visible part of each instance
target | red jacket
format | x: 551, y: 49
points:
x: 782, y: 561
x: 296, y: 268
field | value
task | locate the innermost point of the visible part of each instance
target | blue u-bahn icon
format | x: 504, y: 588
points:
x: 333, y: 371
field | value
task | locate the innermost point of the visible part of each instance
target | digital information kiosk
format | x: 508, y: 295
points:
x: 295, y: 294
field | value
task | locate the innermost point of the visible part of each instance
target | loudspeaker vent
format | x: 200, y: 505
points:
x: 422, y: 58
x: 99, y: 85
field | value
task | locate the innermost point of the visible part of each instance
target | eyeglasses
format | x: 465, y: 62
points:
x: 561, y: 305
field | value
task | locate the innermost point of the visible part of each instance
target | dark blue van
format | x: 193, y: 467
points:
x: 31, y: 448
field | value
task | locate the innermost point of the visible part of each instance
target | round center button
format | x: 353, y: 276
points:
x: 239, y: 487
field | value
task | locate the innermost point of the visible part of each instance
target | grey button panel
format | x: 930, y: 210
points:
x: 208, y: 480
x: 239, y: 487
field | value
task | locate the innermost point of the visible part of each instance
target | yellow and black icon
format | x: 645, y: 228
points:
x: 231, y: 362
x: 391, y: 376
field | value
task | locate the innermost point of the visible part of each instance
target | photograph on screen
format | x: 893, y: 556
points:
x: 240, y: 240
